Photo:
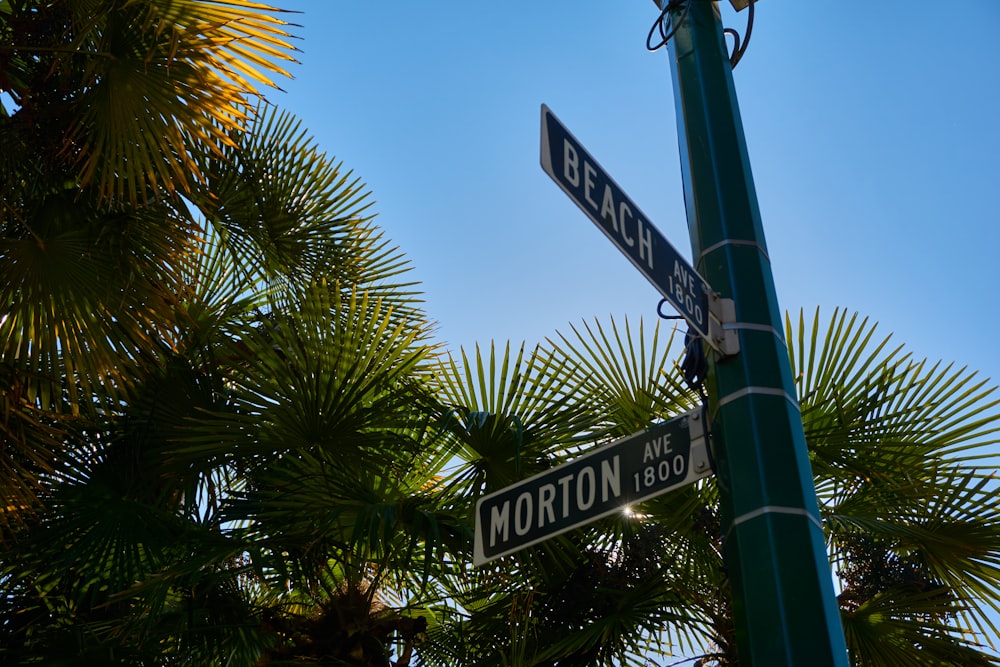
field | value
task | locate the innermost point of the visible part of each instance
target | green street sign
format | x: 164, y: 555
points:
x: 590, y: 187
x: 641, y: 466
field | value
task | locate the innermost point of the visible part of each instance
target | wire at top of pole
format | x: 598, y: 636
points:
x: 661, y: 24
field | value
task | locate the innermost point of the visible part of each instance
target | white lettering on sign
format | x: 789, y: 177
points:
x: 658, y: 473
x: 571, y: 164
x: 588, y: 183
x: 608, y: 214
x: 657, y: 448
x: 617, y: 215
x: 683, y: 277
x: 608, y: 210
x: 523, y: 507
x: 645, y: 243
x: 624, y: 210
x: 546, y: 494
x: 682, y: 285
x: 564, y: 483
x: 585, y: 485
x: 611, y: 479
x: 579, y: 492
x: 499, y: 520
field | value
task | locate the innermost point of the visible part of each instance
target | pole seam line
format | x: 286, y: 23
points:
x: 765, y: 391
x: 738, y: 242
x: 773, y: 509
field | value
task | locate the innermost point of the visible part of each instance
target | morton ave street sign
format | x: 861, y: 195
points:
x: 582, y: 178
x: 643, y: 465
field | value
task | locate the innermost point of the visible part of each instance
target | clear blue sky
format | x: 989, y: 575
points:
x: 872, y: 129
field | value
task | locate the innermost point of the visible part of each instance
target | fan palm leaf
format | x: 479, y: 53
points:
x: 273, y: 196
x: 140, y: 87
x: 902, y: 456
x: 507, y: 414
x: 336, y: 503
x: 630, y: 379
x: 85, y: 294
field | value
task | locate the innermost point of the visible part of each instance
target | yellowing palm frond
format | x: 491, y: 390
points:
x: 162, y: 82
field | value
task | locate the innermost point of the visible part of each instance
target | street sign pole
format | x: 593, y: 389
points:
x: 785, y: 609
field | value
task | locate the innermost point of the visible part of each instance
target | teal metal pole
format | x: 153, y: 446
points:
x: 785, y: 609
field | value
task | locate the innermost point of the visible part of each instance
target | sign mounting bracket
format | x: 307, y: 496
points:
x: 722, y: 312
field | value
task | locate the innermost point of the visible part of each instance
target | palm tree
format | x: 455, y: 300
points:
x: 601, y: 595
x: 902, y: 457
x: 176, y: 524
x: 200, y: 323
x: 125, y: 96
x: 902, y: 453
x: 228, y: 437
x: 111, y: 111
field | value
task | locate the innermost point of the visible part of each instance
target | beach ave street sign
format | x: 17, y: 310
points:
x: 641, y: 466
x: 606, y: 204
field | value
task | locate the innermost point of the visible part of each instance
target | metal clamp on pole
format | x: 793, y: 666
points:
x: 701, y: 460
x: 724, y: 339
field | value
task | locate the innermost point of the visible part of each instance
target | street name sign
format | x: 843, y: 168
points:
x: 580, y: 176
x: 641, y: 466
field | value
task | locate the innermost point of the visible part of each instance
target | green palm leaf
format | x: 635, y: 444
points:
x: 86, y: 295
x: 896, y: 626
x: 898, y: 450
x: 630, y: 379
x: 275, y: 197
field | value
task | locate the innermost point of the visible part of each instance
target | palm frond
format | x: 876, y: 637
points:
x: 631, y: 379
x: 902, y: 453
x: 275, y: 197
x: 895, y: 626
x: 159, y: 78
x: 508, y: 415
x: 33, y: 444
x: 87, y: 295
